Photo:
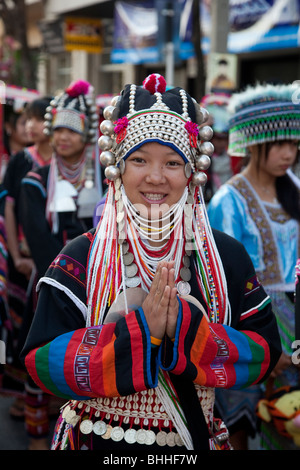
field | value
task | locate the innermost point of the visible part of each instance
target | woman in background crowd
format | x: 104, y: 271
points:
x: 57, y: 203
x: 20, y: 263
x: 260, y: 208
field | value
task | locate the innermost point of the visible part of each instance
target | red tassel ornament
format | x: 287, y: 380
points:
x: 155, y: 83
x: 193, y: 131
x: 80, y: 87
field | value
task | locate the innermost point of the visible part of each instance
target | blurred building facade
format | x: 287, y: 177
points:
x: 77, y: 39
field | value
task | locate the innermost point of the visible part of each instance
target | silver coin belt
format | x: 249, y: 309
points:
x: 105, y: 416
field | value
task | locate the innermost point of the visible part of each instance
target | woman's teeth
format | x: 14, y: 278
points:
x: 154, y: 197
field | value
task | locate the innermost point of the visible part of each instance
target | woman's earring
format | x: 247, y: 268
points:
x: 122, y: 167
x: 188, y: 170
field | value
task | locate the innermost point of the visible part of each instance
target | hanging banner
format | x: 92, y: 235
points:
x: 135, y: 31
x: 83, y: 34
x: 254, y: 25
x: 259, y: 25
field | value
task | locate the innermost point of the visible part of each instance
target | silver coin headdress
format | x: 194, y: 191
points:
x: 74, y: 109
x: 153, y: 114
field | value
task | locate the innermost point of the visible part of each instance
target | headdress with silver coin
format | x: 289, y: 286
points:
x: 142, y: 114
x: 75, y: 109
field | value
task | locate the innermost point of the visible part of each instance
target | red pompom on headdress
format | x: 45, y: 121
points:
x: 121, y: 129
x: 193, y: 131
x: 80, y: 87
x: 155, y: 83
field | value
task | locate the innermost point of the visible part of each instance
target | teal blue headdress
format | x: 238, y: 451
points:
x: 265, y: 113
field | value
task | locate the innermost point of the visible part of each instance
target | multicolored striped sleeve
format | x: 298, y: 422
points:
x: 112, y: 360
x: 216, y: 355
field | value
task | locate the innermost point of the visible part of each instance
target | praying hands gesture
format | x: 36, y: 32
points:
x: 161, y: 305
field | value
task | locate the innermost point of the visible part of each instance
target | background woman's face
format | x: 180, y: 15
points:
x: 68, y: 144
x: 18, y: 132
x: 280, y: 158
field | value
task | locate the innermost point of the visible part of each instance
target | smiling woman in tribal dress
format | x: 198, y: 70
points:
x: 140, y: 319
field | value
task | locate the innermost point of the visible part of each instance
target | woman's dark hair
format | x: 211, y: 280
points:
x: 287, y: 192
x: 10, y: 117
x: 37, y: 108
x: 288, y: 196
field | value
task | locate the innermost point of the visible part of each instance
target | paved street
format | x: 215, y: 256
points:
x: 12, y: 433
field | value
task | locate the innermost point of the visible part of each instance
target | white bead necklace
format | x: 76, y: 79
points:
x: 146, y: 228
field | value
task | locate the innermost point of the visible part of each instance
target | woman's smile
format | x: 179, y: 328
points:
x: 154, y: 198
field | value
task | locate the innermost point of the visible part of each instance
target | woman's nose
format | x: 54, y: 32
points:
x: 155, y: 175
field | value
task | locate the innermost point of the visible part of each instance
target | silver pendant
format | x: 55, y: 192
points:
x: 141, y: 436
x: 73, y: 421
x: 128, y: 258
x: 86, y: 426
x: 131, y: 270
x: 161, y: 438
x: 121, y: 237
x: 150, y: 437
x: 125, y: 248
x: 69, y: 415
x: 130, y: 436
x: 120, y: 205
x: 178, y: 440
x: 186, y: 261
x: 107, y: 434
x: 185, y: 274
x: 99, y: 428
x: 117, y: 434
x: 183, y: 288
x: 171, y: 439
x: 66, y: 411
x: 188, y: 248
x: 132, y: 281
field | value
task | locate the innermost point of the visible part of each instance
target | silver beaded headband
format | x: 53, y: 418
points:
x: 157, y: 123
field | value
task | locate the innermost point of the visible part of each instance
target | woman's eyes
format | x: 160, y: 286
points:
x: 172, y: 163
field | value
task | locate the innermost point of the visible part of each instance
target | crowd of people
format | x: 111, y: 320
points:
x: 151, y: 312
